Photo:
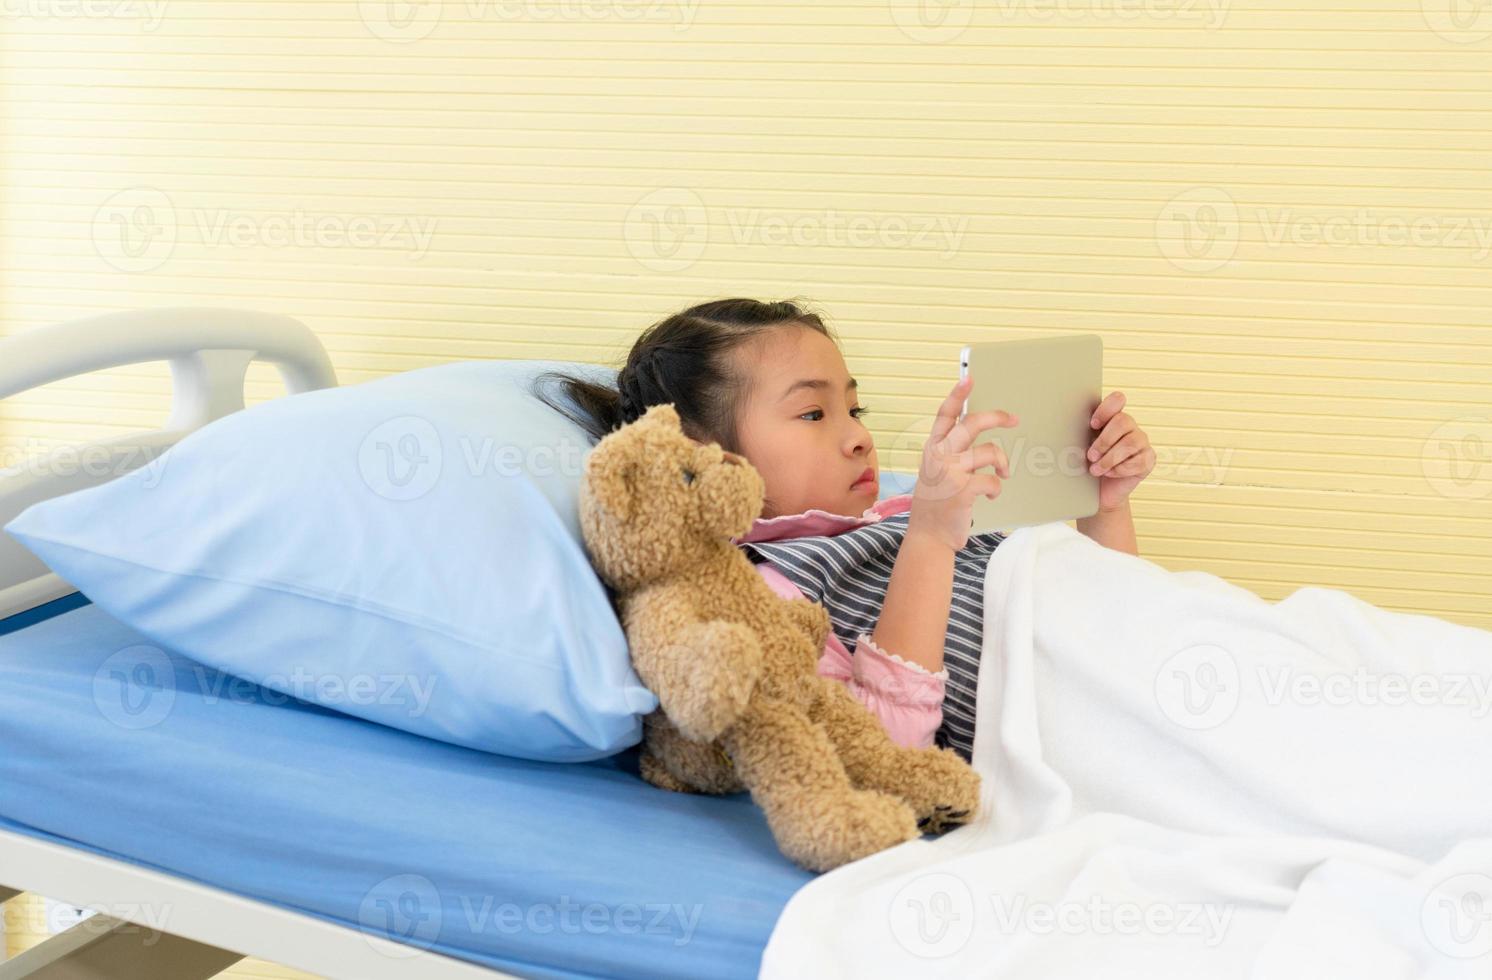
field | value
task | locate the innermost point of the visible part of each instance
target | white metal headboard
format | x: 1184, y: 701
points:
x: 209, y: 351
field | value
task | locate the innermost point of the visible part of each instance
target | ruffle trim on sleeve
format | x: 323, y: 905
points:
x: 870, y: 644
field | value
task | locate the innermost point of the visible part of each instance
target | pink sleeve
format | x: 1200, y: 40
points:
x: 906, y: 697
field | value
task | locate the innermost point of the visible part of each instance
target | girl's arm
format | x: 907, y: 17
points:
x: 914, y: 617
x: 1112, y: 529
x: 906, y: 699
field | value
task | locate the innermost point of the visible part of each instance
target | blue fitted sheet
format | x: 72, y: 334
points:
x: 540, y: 869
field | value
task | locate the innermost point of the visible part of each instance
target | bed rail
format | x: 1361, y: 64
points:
x: 209, y: 351
x: 149, y: 924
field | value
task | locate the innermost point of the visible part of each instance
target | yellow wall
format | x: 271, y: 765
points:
x: 1222, y: 191
x: 544, y: 177
x: 541, y: 178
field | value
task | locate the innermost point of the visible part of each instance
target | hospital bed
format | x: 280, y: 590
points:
x: 241, y: 824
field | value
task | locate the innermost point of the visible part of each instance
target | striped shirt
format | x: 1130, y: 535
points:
x: 848, y: 573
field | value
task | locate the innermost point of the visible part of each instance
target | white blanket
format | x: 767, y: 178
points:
x: 1184, y: 780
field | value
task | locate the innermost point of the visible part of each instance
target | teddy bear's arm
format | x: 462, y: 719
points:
x: 702, y: 671
x: 810, y: 617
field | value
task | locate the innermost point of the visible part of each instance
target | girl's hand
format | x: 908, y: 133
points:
x: 1121, y: 455
x: 948, y: 479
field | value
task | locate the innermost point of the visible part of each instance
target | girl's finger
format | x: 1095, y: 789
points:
x: 948, y: 412
x: 1139, y: 464
x: 1117, y: 427
x: 968, y: 428
x: 989, y: 454
x: 985, y: 485
x: 1107, y: 409
x: 1126, y: 448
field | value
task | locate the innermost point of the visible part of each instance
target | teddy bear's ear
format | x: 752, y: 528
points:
x: 611, y: 473
x: 613, y: 467
x: 663, y: 416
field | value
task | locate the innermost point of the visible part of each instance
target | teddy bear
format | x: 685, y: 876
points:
x: 733, y: 664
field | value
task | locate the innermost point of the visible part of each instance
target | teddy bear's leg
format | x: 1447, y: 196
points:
x: 936, y: 782
x: 818, y: 819
x: 670, y: 761
x: 657, y: 773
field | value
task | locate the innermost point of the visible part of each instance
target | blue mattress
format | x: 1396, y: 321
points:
x: 539, y: 869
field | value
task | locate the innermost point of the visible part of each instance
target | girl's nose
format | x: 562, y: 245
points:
x: 731, y: 458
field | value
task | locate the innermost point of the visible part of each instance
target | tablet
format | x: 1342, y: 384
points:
x: 1053, y: 385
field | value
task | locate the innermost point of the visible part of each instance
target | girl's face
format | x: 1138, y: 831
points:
x: 800, y: 426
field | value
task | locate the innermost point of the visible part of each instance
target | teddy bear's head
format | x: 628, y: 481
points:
x: 655, y: 503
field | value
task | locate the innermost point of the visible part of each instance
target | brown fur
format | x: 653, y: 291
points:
x: 734, y: 665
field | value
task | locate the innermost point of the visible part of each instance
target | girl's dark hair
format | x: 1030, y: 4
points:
x: 683, y: 359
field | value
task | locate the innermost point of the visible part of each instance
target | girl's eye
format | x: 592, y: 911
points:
x: 856, y: 412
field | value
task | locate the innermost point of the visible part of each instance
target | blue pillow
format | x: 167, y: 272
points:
x: 896, y: 482
x: 406, y: 550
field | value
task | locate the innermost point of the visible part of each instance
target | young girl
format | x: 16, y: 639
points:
x: 902, y: 579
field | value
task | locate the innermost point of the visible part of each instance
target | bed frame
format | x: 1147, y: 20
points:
x: 209, y: 351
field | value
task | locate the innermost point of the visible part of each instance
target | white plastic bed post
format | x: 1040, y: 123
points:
x: 209, y: 351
